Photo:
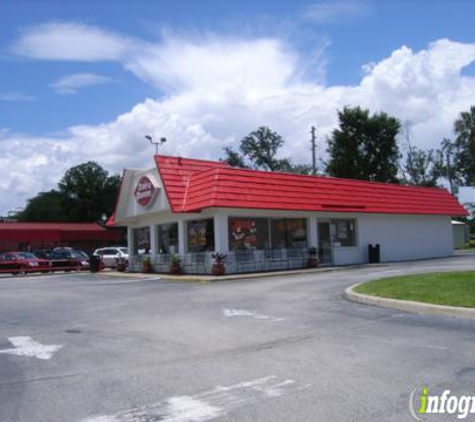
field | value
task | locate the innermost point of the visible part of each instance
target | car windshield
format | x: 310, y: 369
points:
x: 25, y: 255
x: 124, y: 250
x: 77, y: 254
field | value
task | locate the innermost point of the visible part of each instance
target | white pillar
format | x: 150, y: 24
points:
x: 221, y: 233
x: 312, y: 232
x: 153, y: 241
x: 182, y: 237
x: 130, y: 240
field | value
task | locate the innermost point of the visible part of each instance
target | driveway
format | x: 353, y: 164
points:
x: 82, y: 347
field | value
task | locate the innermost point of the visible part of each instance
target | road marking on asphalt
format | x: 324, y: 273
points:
x: 26, y: 346
x: 230, y: 313
x: 205, y: 406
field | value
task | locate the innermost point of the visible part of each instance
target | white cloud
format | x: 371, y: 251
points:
x: 219, y: 90
x: 71, y: 41
x: 70, y: 84
x: 333, y: 11
x: 16, y: 96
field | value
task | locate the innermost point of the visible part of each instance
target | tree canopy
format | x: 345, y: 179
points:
x: 259, y: 150
x: 85, y: 194
x: 364, y: 146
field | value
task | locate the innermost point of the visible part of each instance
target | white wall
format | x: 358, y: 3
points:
x: 405, y: 237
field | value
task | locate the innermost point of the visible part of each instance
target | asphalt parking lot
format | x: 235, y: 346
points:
x: 96, y: 348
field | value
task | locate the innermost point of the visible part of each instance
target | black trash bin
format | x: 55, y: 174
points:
x: 374, y: 254
x: 95, y: 264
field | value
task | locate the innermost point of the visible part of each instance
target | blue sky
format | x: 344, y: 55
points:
x: 85, y: 80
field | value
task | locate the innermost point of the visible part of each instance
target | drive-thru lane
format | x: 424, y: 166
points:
x: 270, y: 349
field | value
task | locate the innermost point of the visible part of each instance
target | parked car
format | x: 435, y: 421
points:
x: 110, y: 256
x: 23, y: 262
x: 68, y: 259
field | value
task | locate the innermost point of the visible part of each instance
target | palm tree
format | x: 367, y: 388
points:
x: 465, y: 130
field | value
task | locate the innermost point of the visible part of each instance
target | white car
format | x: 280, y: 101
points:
x: 110, y: 255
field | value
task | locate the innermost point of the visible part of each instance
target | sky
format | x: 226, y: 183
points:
x: 87, y: 80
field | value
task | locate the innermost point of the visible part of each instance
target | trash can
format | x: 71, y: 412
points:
x: 374, y: 255
x: 94, y: 264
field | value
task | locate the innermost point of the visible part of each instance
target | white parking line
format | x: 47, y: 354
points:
x: 229, y: 313
x: 204, y: 406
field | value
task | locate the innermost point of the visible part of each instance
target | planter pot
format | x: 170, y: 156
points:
x: 121, y: 267
x: 175, y: 268
x: 312, y: 263
x: 147, y: 267
x: 218, y: 269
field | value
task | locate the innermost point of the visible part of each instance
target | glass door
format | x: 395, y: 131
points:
x: 324, y: 243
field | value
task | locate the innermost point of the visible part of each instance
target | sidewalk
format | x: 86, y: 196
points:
x: 210, y: 278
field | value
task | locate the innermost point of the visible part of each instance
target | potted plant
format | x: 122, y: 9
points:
x: 218, y: 265
x: 147, y: 265
x: 175, y: 267
x: 121, y: 264
x: 312, y: 257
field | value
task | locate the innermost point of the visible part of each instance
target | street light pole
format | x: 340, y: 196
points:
x: 156, y: 143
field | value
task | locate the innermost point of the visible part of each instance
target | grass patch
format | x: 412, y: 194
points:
x: 451, y: 289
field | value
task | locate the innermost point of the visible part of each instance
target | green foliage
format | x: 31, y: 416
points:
x: 85, y: 193
x: 46, y: 206
x: 452, y: 288
x: 364, y: 146
x: 462, y: 150
x: 259, y: 150
x: 423, y: 168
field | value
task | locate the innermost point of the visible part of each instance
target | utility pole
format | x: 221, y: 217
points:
x: 314, y: 154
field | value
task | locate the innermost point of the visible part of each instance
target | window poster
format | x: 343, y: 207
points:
x: 197, y: 234
x: 243, y: 234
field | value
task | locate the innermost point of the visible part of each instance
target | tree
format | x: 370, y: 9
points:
x: 89, y: 192
x: 421, y: 168
x: 46, y: 206
x: 364, y: 146
x: 259, y: 150
x: 462, y: 150
x: 85, y: 193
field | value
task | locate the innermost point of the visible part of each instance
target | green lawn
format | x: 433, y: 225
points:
x: 453, y: 289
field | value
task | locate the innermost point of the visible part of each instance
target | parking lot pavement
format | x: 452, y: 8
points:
x: 94, y: 348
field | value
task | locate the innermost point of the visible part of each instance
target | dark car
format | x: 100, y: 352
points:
x: 68, y: 260
x: 23, y: 262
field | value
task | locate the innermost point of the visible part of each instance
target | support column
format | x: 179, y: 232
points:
x: 182, y: 239
x: 221, y: 233
x: 153, y: 242
x: 130, y: 240
x: 312, y: 232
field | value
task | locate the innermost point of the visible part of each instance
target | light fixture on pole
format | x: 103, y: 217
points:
x: 156, y: 143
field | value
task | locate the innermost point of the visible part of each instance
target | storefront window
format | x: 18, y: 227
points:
x: 248, y: 233
x: 200, y: 235
x: 141, y: 240
x: 168, y: 238
x: 288, y: 233
x: 344, y: 232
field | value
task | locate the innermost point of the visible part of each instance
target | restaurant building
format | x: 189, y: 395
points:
x: 268, y: 220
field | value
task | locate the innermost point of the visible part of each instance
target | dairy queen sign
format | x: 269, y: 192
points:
x: 145, y: 191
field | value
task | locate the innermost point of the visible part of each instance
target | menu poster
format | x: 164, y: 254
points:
x: 243, y: 234
x: 197, y: 234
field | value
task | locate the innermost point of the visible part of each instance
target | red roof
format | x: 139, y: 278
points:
x: 193, y: 185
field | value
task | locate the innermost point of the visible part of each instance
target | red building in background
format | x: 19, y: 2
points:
x: 40, y: 236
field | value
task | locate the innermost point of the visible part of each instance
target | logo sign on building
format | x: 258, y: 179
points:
x: 145, y: 191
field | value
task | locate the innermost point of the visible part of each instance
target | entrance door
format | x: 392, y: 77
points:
x: 324, y: 243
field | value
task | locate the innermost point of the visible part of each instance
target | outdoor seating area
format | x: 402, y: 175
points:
x: 240, y: 261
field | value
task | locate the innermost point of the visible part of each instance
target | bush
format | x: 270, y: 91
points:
x: 470, y: 244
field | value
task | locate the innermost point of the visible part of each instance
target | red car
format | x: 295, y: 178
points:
x: 22, y: 262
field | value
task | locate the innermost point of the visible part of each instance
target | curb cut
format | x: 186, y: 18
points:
x: 408, y: 306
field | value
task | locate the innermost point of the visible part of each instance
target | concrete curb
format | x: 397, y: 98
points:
x: 409, y: 306
x: 210, y: 278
